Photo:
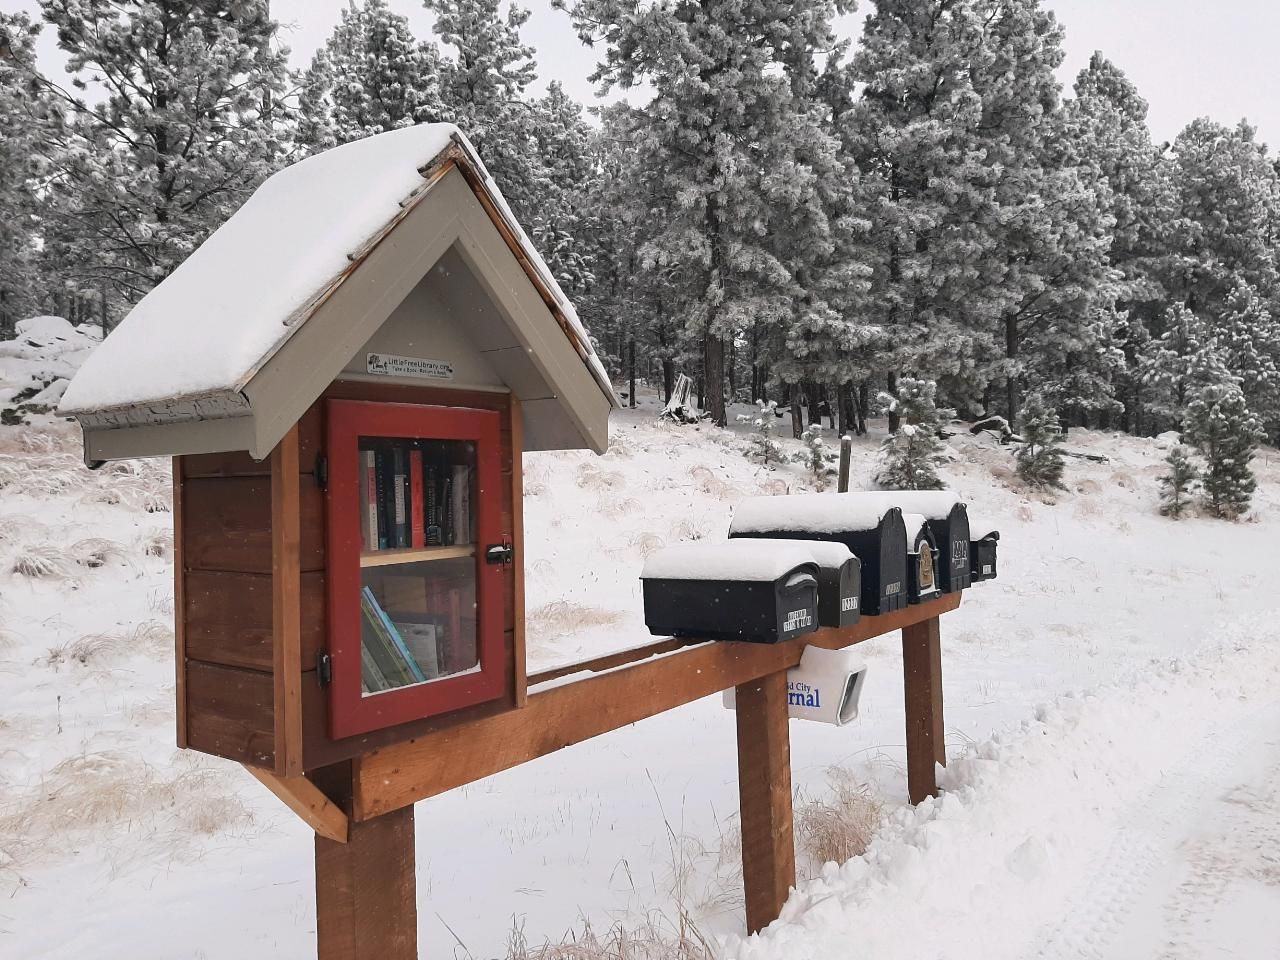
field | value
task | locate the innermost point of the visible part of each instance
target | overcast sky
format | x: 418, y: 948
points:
x: 1189, y: 58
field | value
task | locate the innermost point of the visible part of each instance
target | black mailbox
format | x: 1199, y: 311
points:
x: 948, y: 521
x: 875, y: 534
x: 839, y: 579
x: 731, y: 590
x: 922, y: 560
x: 983, y: 554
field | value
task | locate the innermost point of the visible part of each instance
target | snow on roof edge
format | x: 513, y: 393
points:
x: 478, y: 179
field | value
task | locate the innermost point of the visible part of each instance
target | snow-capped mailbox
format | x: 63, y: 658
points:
x: 874, y: 533
x: 346, y: 374
x: 731, y: 590
x: 922, y: 560
x: 983, y: 552
x: 839, y: 580
x: 824, y: 688
x: 948, y: 520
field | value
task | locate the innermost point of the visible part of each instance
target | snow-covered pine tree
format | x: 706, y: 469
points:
x: 370, y: 76
x: 1108, y: 133
x: 1039, y: 459
x: 1227, y: 195
x: 1226, y: 433
x: 722, y: 117
x: 910, y: 457
x: 1177, y: 485
x: 1248, y: 340
x: 761, y: 443
x: 816, y: 456
x: 1176, y: 366
x: 24, y: 132
x: 191, y: 122
x: 484, y: 79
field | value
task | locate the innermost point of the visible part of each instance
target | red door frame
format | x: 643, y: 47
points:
x: 350, y: 712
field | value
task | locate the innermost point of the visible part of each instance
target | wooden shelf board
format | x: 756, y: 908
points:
x: 382, y: 558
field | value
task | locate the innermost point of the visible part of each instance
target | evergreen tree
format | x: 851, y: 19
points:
x: 1176, y: 485
x: 1248, y: 340
x: 24, y: 123
x: 815, y: 456
x: 1178, y: 365
x: 729, y: 96
x: 370, y: 76
x: 1221, y: 427
x: 761, y: 443
x: 191, y: 123
x: 484, y: 79
x: 910, y: 457
x: 1039, y: 459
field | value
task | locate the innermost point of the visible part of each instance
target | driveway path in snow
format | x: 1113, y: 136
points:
x: 1194, y: 871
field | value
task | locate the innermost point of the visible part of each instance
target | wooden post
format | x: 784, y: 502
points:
x: 366, y: 891
x: 286, y: 604
x: 846, y: 451
x: 764, y: 792
x: 922, y: 675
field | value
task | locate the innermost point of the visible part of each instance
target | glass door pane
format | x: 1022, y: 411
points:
x: 418, y: 555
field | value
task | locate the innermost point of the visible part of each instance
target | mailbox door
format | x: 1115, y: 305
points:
x: 416, y: 555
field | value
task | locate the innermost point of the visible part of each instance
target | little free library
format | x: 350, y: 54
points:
x: 347, y: 375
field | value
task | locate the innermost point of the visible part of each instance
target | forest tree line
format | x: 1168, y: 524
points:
x: 781, y: 214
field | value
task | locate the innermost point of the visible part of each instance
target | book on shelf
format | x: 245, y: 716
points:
x: 385, y: 646
x: 413, y: 496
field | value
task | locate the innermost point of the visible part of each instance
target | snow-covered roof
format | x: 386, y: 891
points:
x: 236, y: 301
x: 808, y: 513
x: 749, y: 560
x: 825, y: 553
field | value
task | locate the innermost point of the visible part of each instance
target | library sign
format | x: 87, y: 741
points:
x: 390, y: 365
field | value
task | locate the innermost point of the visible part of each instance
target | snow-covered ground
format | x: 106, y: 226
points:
x: 1113, y: 719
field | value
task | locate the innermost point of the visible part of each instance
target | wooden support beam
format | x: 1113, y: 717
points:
x: 286, y: 604
x: 366, y: 892
x: 308, y: 801
x: 179, y: 605
x: 764, y: 797
x: 454, y: 754
x: 922, y: 681
x: 516, y: 412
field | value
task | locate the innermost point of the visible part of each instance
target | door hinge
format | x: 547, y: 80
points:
x: 324, y: 669
x: 322, y: 471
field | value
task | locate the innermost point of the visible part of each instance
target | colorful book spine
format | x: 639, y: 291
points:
x: 391, y: 633
x: 417, y: 506
x: 461, y: 504
x: 374, y: 642
x: 368, y: 501
x: 398, y: 478
x: 380, y: 497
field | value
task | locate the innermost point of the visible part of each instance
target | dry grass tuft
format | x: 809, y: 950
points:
x: 150, y: 638
x: 157, y: 543
x: 591, y: 477
x: 840, y: 826
x: 690, y: 528
x: 97, y: 552
x: 712, y: 485
x: 560, y: 617
x: 615, y: 507
x: 656, y: 938
x: 646, y: 543
x: 119, y: 798
x: 43, y: 561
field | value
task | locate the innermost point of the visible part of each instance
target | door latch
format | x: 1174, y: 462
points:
x: 499, y: 553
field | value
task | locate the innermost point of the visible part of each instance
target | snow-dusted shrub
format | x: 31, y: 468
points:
x: 815, y: 456
x: 909, y: 459
x: 94, y: 649
x: 156, y: 543
x: 1177, y: 484
x: 97, y: 552
x: 760, y: 443
x: 1039, y: 459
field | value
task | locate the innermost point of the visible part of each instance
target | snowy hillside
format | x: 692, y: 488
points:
x: 37, y: 364
x: 1070, y: 817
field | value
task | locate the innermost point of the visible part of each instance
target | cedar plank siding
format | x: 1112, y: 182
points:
x: 225, y: 594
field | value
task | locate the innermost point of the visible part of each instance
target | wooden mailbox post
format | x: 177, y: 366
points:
x: 346, y: 376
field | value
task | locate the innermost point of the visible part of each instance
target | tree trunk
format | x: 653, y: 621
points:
x: 813, y: 399
x: 631, y: 364
x: 863, y: 407
x: 715, y: 381
x: 732, y: 371
x: 797, y: 415
x: 894, y: 420
x: 668, y: 378
x: 1012, y: 399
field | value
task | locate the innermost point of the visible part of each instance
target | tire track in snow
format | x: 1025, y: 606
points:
x: 1121, y: 874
